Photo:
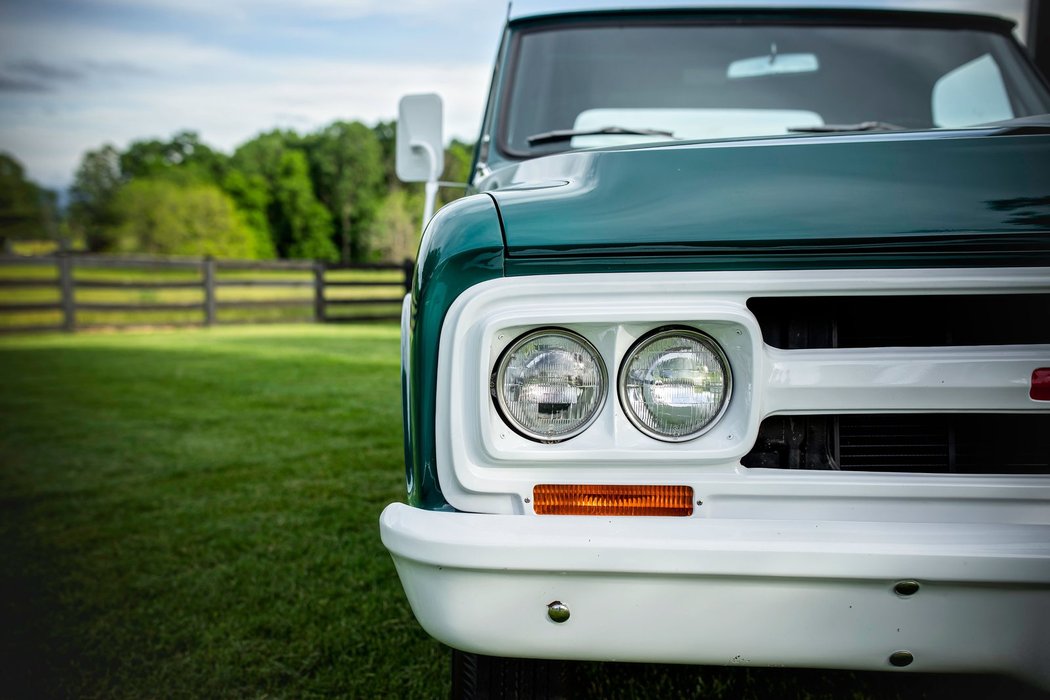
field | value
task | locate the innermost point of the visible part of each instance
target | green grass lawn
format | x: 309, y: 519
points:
x: 195, y: 515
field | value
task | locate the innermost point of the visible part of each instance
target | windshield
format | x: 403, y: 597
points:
x: 615, y: 83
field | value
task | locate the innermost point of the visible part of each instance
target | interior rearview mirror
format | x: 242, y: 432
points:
x: 773, y: 64
x: 420, y: 155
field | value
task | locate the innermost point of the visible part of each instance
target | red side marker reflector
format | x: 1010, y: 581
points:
x: 591, y: 499
x: 1040, y: 384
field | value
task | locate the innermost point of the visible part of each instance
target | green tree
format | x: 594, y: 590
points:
x: 346, y: 167
x: 262, y: 155
x: 163, y: 217
x: 458, y: 157
x: 27, y: 211
x: 315, y: 196
x: 386, y: 136
x: 299, y: 224
x: 183, y: 159
x: 95, y: 185
x: 252, y: 197
x: 304, y: 226
x: 396, y: 226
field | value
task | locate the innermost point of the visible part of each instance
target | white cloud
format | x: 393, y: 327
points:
x: 439, y: 10
x: 58, y: 42
x: 226, y: 96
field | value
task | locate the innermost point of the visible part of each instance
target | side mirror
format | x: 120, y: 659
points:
x: 420, y: 155
x: 420, y: 142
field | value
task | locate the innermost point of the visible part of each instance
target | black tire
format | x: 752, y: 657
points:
x: 477, y: 677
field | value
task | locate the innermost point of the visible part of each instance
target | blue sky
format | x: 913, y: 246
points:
x: 75, y: 74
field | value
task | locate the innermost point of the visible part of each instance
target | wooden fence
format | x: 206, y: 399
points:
x: 78, y: 275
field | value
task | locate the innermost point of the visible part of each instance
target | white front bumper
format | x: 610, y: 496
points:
x: 735, y: 591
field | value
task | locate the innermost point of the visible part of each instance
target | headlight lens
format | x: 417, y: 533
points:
x: 675, y: 384
x: 550, y: 384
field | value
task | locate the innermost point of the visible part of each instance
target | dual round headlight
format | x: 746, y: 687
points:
x: 550, y: 384
x: 675, y: 384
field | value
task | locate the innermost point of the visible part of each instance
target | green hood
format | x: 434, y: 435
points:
x: 841, y: 193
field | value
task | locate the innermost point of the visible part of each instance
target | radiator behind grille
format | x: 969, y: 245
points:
x: 917, y: 443
x: 894, y: 443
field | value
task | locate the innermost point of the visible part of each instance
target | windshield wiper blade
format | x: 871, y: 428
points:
x: 567, y: 134
x: 842, y: 128
x: 1034, y: 124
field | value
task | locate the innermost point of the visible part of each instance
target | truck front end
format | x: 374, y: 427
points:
x: 740, y: 353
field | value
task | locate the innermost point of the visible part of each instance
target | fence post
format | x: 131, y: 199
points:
x: 319, y: 310
x: 209, y: 291
x: 409, y: 267
x: 67, y: 291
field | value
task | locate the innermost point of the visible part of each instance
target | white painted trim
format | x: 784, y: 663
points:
x: 485, y: 467
x: 742, y: 592
x: 810, y: 548
x: 903, y: 380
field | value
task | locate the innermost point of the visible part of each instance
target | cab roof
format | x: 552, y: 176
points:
x: 530, y: 9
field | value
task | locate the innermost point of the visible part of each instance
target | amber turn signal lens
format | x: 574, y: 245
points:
x: 577, y: 499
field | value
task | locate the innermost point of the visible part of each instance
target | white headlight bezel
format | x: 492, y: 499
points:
x: 485, y: 466
x: 659, y: 334
x: 498, y: 374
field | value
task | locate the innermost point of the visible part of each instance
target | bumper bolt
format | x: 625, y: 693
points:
x: 906, y: 588
x: 558, y: 611
x: 901, y: 659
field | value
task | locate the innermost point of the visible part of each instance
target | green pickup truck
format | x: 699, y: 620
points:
x: 738, y: 351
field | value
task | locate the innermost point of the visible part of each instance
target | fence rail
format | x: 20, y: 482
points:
x: 211, y: 276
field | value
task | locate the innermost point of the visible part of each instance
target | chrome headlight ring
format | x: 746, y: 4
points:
x: 549, y: 385
x: 675, y: 383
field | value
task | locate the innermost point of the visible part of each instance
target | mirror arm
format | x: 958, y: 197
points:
x: 431, y: 187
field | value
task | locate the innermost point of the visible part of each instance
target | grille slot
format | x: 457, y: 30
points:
x: 915, y: 443
x: 791, y: 323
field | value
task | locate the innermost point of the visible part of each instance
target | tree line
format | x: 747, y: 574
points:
x: 330, y: 195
